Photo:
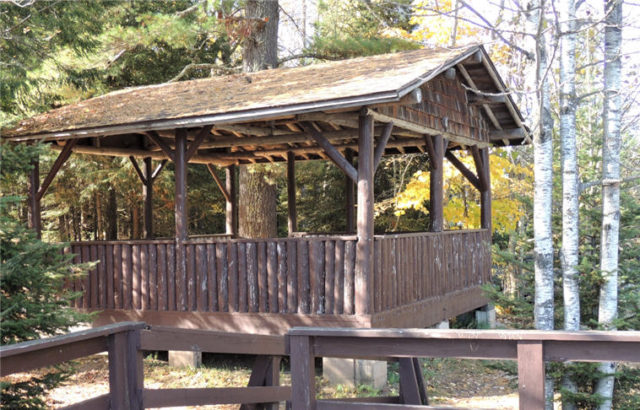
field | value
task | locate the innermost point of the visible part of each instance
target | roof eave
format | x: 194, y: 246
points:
x: 224, y: 118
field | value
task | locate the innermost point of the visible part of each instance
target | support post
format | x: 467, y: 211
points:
x: 147, y: 192
x: 303, y: 392
x: 126, y: 376
x: 435, y: 194
x: 364, y: 247
x: 531, y: 374
x: 231, y: 212
x: 349, y: 196
x: 291, y: 192
x: 485, y: 195
x: 35, y: 215
x: 181, y: 217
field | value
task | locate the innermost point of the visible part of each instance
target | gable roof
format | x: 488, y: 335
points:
x: 255, y: 96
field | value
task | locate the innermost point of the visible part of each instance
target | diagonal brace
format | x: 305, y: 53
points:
x: 212, y: 171
x: 382, y: 144
x: 62, y: 158
x: 463, y: 170
x: 331, y: 151
x: 153, y: 136
x: 134, y: 162
x: 158, y: 169
x: 193, y: 147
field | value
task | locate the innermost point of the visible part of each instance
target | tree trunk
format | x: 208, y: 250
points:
x: 543, y: 185
x: 257, y: 199
x: 608, y: 307
x: 112, y: 216
x: 570, y: 188
x: 257, y: 210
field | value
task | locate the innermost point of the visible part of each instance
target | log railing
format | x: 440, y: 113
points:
x: 531, y: 349
x: 416, y: 266
x: 125, y: 343
x: 304, y: 275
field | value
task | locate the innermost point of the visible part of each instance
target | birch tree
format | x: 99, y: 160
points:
x: 570, y: 185
x: 543, y: 180
x: 608, y: 307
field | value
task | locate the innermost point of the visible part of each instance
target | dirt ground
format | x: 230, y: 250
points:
x: 451, y: 382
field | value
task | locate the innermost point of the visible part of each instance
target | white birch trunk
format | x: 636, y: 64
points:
x: 543, y: 184
x: 608, y: 308
x: 570, y: 188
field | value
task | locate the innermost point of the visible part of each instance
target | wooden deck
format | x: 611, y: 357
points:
x: 273, y: 284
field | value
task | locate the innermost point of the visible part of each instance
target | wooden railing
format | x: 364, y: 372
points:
x: 305, y: 275
x: 125, y: 343
x: 530, y: 348
x: 301, y: 275
x: 416, y: 266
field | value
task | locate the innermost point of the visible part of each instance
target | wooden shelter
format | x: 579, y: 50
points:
x: 432, y: 101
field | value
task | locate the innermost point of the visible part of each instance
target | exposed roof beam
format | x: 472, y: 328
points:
x: 140, y: 153
x: 487, y: 109
x: 344, y: 120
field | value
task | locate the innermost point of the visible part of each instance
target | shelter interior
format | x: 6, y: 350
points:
x: 435, y: 102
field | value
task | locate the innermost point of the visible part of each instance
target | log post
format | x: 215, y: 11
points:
x: 181, y: 216
x: 291, y: 192
x: 35, y: 215
x: 147, y: 193
x: 349, y: 196
x: 364, y: 247
x: 231, y: 214
x: 485, y: 195
x: 435, y: 181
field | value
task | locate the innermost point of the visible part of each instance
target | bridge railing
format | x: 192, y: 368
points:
x: 531, y: 349
x: 125, y: 343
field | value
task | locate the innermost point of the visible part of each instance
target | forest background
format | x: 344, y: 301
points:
x: 59, y: 52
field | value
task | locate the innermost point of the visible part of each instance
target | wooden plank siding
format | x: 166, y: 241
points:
x: 445, y: 108
x: 304, y: 275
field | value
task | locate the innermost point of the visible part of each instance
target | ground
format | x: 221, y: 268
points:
x: 466, y: 383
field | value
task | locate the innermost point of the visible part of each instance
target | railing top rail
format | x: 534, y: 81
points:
x: 42, y: 344
x: 172, y: 338
x: 126, y: 242
x: 506, y: 335
x: 391, y: 235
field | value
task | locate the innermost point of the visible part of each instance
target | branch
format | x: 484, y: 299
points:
x: 218, y: 69
x: 188, y: 10
x: 308, y: 55
x: 586, y: 185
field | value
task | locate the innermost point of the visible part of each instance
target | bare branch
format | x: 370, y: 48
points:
x: 218, y: 69
x: 309, y: 55
x: 586, y: 185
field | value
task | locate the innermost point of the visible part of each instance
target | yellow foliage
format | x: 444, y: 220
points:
x: 435, y: 23
x: 462, y: 200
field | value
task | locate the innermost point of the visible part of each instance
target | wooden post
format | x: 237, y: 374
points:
x: 35, y: 215
x: 485, y: 195
x: 126, y: 376
x: 291, y: 192
x: 147, y: 192
x: 436, y: 194
x: 231, y: 208
x: 181, y: 216
x: 349, y: 196
x: 364, y: 247
x: 303, y: 390
x: 531, y: 375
